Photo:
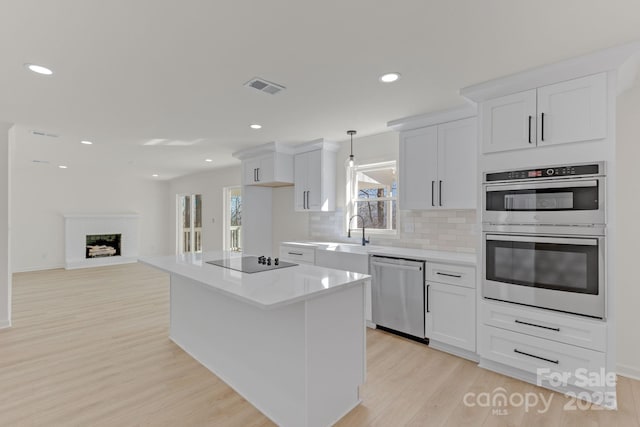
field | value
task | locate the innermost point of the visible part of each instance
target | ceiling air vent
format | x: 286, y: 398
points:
x: 41, y: 133
x: 264, y: 86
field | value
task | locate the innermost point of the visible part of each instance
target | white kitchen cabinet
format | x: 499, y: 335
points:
x: 271, y: 170
x: 438, y: 166
x: 315, y: 177
x: 298, y: 254
x: 509, y: 122
x: 569, y: 111
x: 418, y: 168
x: 451, y: 315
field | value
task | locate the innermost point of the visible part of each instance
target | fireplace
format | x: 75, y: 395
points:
x: 102, y: 245
x: 113, y: 239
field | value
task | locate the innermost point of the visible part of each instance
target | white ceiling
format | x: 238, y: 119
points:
x: 128, y: 72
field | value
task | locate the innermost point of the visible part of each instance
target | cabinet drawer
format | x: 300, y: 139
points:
x: 531, y: 353
x: 450, y: 273
x: 298, y: 254
x: 585, y: 333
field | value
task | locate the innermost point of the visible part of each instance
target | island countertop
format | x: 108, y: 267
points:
x: 267, y: 289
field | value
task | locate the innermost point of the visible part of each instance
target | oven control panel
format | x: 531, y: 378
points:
x: 546, y: 172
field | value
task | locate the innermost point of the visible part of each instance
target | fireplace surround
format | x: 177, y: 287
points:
x: 93, y: 240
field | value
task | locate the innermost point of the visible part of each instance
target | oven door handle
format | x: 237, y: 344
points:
x: 540, y: 185
x: 533, y: 239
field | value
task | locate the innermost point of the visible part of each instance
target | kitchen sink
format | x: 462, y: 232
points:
x: 343, y: 247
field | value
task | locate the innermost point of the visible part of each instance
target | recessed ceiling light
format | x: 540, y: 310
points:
x: 208, y: 160
x: 62, y: 167
x: 86, y: 142
x: 389, y: 77
x: 39, y: 69
x: 255, y: 126
x: 155, y: 175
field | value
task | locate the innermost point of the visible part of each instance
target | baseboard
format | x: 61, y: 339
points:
x: 38, y: 268
x: 628, y: 371
x: 5, y: 324
x: 465, y: 354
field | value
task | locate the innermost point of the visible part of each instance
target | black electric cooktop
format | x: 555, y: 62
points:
x: 250, y: 264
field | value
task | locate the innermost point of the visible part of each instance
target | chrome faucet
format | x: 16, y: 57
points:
x: 364, y: 241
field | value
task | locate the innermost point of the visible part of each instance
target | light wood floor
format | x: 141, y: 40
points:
x: 90, y: 348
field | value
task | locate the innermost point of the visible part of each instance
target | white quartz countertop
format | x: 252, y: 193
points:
x: 266, y: 289
x: 419, y: 254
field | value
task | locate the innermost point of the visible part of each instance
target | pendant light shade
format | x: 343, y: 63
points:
x: 351, y: 133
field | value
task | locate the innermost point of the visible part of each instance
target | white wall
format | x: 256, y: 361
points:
x: 6, y: 141
x: 628, y: 232
x: 42, y: 193
x: 211, y: 186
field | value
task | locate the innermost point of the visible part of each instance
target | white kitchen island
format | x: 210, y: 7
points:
x: 291, y: 341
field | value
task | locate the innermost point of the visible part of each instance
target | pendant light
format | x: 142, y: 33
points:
x: 351, y: 133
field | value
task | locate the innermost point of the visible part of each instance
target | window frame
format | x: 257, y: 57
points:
x: 352, y: 198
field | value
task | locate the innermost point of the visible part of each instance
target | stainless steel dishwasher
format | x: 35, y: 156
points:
x: 397, y: 293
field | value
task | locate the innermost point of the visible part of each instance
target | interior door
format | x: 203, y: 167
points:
x: 418, y: 168
x: 572, y: 111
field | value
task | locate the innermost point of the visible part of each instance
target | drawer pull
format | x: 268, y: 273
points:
x: 557, y: 362
x: 295, y: 253
x: 457, y: 276
x: 537, y: 326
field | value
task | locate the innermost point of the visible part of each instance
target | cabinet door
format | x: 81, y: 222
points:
x: 457, y: 158
x: 509, y: 122
x: 249, y: 168
x: 315, y: 196
x: 575, y: 110
x: 300, y: 181
x: 265, y: 173
x: 451, y: 315
x: 418, y: 168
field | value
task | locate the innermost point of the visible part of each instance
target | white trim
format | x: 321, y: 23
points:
x: 268, y: 148
x: 628, y: 371
x: 317, y: 144
x: 100, y: 262
x: 5, y: 324
x: 604, y: 60
x: 39, y: 268
x: 434, y: 118
x: 456, y: 351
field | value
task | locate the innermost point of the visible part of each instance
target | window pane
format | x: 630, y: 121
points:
x: 376, y: 183
x: 379, y: 215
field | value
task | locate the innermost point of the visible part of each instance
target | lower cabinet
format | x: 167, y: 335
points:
x: 450, y: 308
x: 450, y: 316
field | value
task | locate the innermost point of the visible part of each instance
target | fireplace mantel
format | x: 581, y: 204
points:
x: 78, y: 225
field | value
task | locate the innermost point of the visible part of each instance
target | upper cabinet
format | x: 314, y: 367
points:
x: 269, y: 165
x: 569, y: 111
x: 315, y: 176
x: 437, y: 164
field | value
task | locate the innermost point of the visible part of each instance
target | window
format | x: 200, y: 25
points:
x: 189, y: 223
x: 232, y: 232
x: 373, y: 194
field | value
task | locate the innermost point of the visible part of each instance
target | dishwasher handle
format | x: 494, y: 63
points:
x: 398, y: 266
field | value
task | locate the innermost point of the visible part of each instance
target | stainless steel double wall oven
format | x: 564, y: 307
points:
x: 544, y: 238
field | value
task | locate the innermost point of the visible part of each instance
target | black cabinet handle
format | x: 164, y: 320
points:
x: 440, y: 193
x: 433, y: 187
x: 529, y: 129
x: 295, y: 253
x: 542, y: 126
x: 304, y: 200
x: 258, y: 174
x: 254, y: 175
x: 537, y: 326
x: 515, y: 350
x: 308, y: 191
x: 428, y: 298
x: 457, y: 276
